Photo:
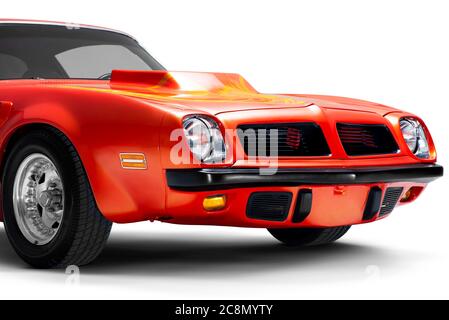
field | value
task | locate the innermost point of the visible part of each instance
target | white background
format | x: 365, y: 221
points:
x: 393, y: 52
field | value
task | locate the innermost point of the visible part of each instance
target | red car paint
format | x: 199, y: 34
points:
x: 136, y: 111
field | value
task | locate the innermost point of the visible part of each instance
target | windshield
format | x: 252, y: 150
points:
x: 59, y: 52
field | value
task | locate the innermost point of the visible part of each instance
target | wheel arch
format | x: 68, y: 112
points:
x: 15, y: 135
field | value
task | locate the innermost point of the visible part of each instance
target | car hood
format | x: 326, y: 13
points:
x: 216, y: 93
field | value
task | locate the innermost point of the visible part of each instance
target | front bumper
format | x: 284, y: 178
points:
x: 220, y: 179
x: 314, y: 197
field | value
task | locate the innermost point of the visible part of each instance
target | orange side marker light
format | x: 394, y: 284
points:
x: 133, y: 161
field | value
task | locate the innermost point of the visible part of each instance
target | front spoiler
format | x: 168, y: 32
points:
x: 219, y: 179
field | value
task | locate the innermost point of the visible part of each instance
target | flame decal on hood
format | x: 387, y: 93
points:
x: 188, y: 86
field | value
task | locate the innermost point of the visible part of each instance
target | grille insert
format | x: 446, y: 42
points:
x: 391, y: 198
x: 293, y: 139
x: 272, y: 206
x: 366, y: 139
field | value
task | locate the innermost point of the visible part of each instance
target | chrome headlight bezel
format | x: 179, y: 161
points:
x: 415, y: 137
x: 204, y: 139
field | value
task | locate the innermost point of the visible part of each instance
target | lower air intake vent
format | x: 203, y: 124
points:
x: 273, y: 206
x: 303, y: 205
x: 391, y: 198
x: 373, y: 203
x: 366, y: 139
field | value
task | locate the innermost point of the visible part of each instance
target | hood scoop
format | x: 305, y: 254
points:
x: 179, y: 82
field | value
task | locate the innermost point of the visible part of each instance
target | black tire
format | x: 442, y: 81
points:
x: 308, y: 236
x: 83, y: 231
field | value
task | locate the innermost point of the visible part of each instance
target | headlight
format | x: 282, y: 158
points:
x: 205, y: 139
x: 415, y: 137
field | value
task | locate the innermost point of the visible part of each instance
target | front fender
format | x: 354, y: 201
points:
x: 101, y: 126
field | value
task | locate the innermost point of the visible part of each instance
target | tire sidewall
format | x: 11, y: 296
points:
x: 49, y: 145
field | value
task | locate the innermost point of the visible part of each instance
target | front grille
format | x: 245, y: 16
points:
x: 391, y: 198
x: 366, y: 139
x: 293, y: 140
x: 273, y: 206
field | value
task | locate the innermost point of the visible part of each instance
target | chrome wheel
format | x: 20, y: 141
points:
x: 38, y: 199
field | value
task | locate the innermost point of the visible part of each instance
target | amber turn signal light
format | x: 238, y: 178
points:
x: 411, y: 194
x: 214, y: 203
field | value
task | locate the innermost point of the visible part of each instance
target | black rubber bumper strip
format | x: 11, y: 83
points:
x: 219, y: 179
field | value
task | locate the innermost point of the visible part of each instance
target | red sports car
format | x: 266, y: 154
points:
x: 93, y: 130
